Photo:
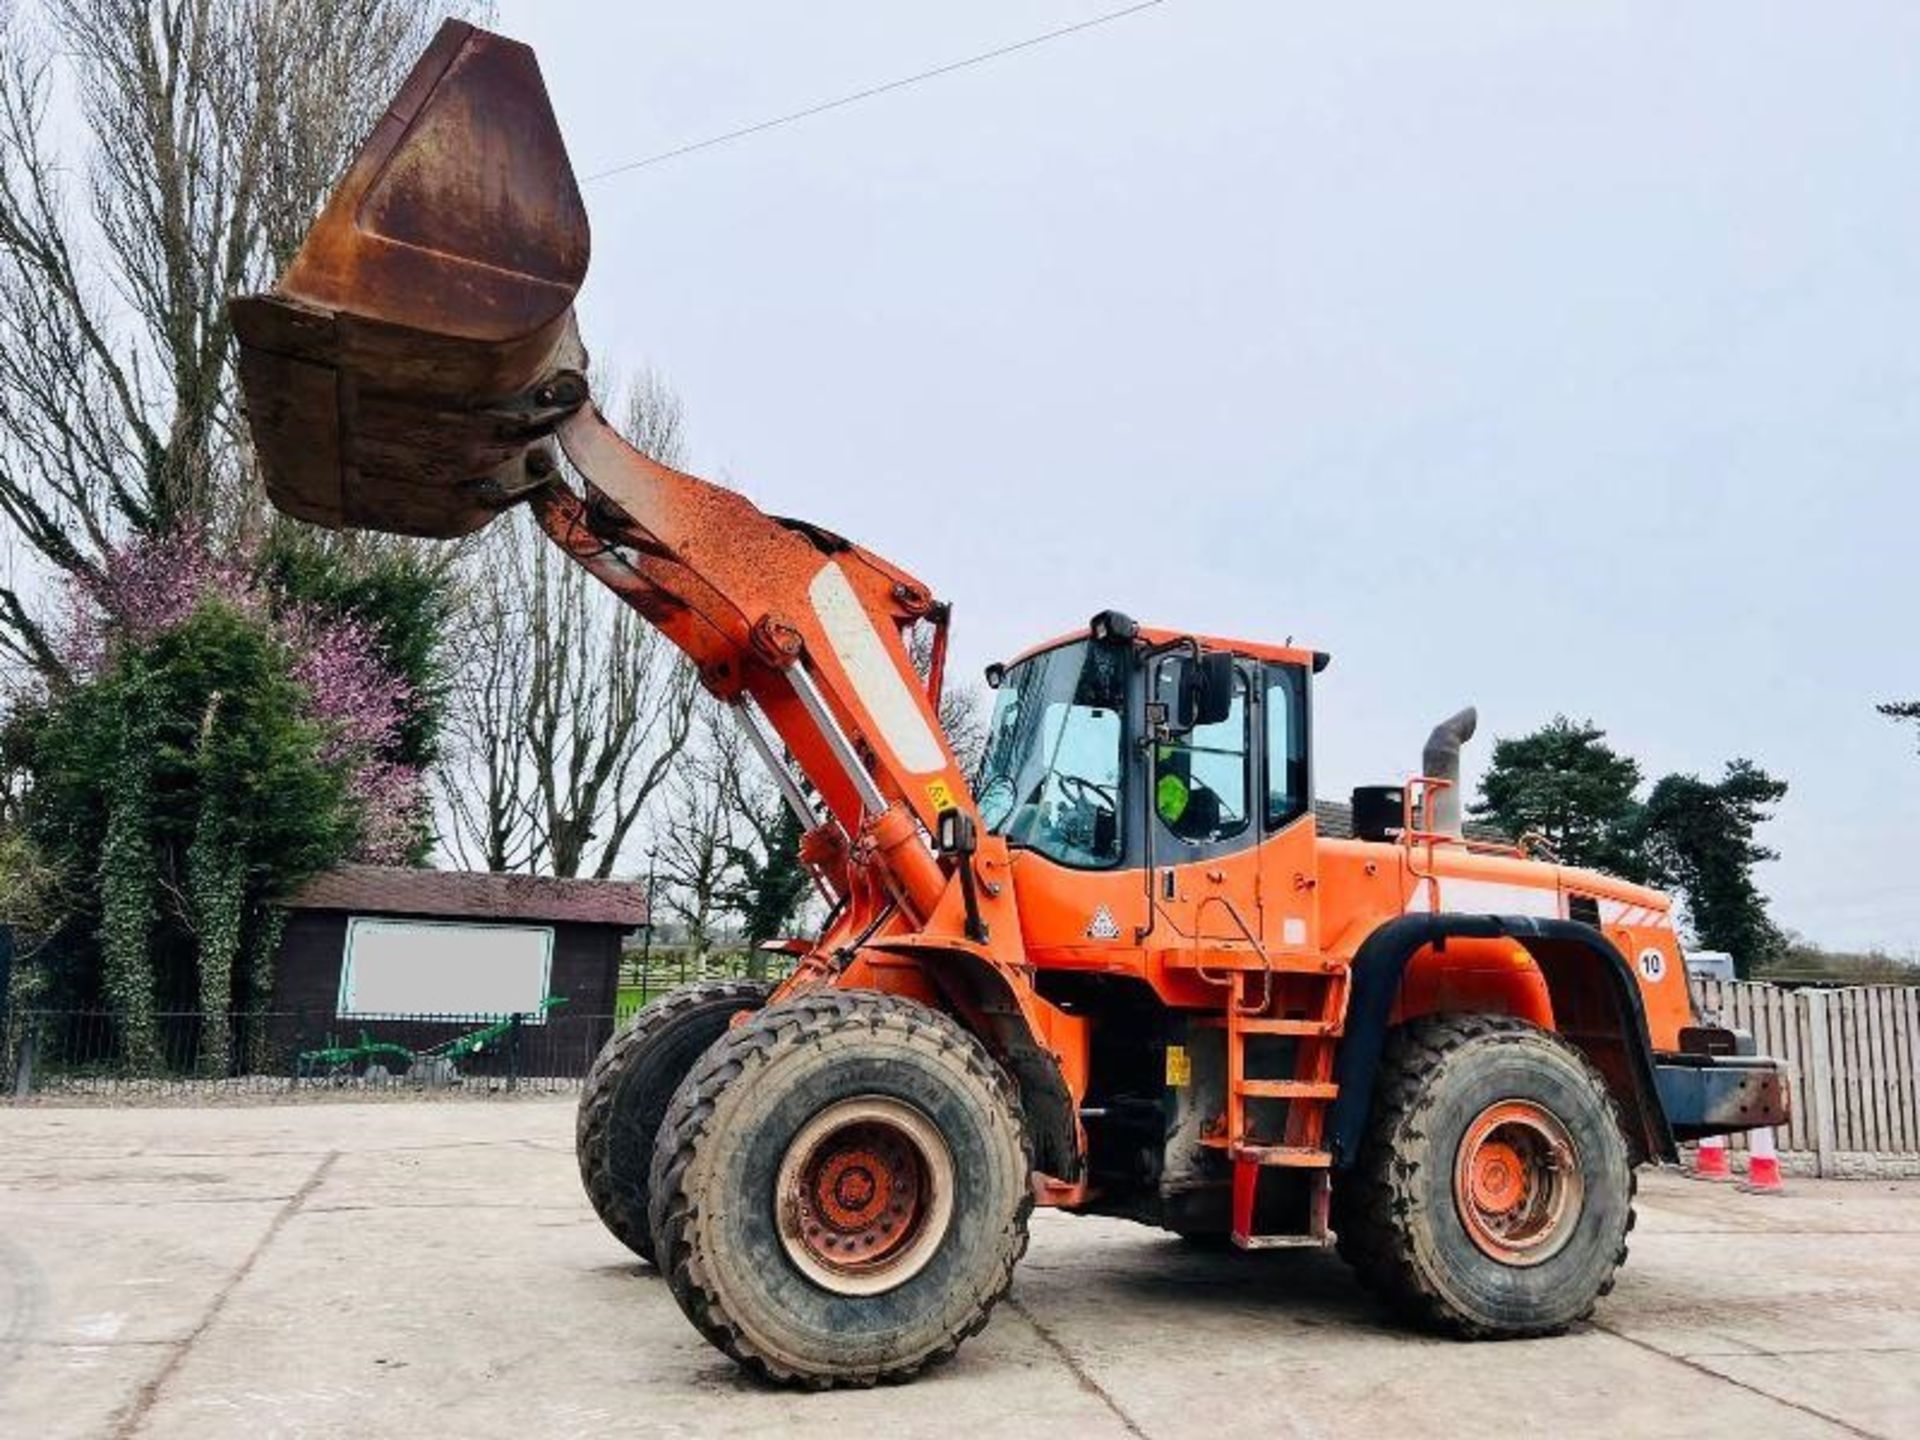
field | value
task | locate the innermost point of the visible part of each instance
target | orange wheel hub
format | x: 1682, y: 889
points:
x: 1516, y: 1182
x: 859, y: 1194
x: 1498, y: 1180
x: 864, y: 1195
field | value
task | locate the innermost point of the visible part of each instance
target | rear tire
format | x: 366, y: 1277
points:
x: 1493, y: 1191
x: 840, y: 1190
x: 627, y: 1090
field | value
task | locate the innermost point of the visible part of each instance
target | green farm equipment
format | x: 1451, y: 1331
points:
x: 478, y: 1042
x: 335, y: 1061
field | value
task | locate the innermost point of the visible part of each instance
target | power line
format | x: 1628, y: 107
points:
x: 891, y: 85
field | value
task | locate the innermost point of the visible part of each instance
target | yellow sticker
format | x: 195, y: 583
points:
x: 940, y: 795
x: 1179, y: 1066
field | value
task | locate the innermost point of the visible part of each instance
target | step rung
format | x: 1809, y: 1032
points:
x: 1284, y: 1242
x: 1289, y: 1089
x: 1262, y: 1025
x: 1270, y: 1025
x: 1301, y: 1157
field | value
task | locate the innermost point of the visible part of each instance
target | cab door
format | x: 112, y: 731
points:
x: 1289, y: 867
x: 1202, y: 809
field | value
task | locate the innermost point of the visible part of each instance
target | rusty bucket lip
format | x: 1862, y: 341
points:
x: 335, y: 263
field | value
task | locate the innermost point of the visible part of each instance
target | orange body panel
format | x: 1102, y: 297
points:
x: 1357, y: 886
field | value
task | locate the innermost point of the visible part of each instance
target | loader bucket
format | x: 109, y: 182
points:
x: 422, y: 339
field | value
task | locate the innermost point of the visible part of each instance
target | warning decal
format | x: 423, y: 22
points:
x: 1179, y: 1066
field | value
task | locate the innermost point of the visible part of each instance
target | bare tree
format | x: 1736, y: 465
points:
x: 568, y: 711
x: 1907, y: 711
x: 486, y: 779
x: 961, y: 706
x: 213, y: 131
x: 610, y: 710
x: 696, y: 839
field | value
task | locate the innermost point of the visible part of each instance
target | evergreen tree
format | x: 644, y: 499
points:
x: 769, y: 882
x: 1699, y: 839
x: 1566, y: 785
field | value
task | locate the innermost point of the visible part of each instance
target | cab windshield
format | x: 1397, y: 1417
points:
x: 1050, y: 778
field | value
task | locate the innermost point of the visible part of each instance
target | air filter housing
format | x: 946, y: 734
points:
x: 1379, y: 811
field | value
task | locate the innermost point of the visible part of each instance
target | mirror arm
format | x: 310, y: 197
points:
x: 955, y: 837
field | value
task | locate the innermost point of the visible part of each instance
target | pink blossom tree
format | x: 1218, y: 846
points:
x: 149, y: 585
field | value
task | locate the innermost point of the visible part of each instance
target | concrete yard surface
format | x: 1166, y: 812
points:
x: 411, y: 1269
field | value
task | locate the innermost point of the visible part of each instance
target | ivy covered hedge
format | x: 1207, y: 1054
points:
x: 228, y: 729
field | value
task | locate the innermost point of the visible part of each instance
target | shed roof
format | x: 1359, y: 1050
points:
x: 474, y: 895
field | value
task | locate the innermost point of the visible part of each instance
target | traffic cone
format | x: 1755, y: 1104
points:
x: 1763, y: 1164
x: 1710, y: 1160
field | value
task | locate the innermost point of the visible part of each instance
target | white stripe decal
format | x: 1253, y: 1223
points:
x: 1486, y: 897
x: 876, y: 678
x: 1645, y: 917
x: 1491, y: 897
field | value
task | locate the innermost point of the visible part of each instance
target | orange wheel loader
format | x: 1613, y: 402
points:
x: 1125, y: 969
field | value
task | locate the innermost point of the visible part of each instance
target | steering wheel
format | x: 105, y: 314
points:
x: 1084, y: 792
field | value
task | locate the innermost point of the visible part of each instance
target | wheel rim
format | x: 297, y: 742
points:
x: 1516, y: 1182
x: 864, y: 1195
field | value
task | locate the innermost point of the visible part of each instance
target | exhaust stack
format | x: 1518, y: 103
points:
x: 1440, y: 760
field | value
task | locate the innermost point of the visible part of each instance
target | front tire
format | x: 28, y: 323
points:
x: 626, y: 1093
x: 840, y: 1190
x: 1493, y: 1191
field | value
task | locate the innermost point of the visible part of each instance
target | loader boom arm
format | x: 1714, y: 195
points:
x: 807, y: 628
x: 418, y: 362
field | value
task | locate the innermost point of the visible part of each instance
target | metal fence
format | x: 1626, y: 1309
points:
x: 1854, y: 1053
x: 88, y: 1052
x: 646, y: 975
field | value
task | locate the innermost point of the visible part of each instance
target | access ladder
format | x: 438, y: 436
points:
x: 1304, y: 998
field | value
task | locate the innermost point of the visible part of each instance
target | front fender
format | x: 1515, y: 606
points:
x: 1044, y: 1048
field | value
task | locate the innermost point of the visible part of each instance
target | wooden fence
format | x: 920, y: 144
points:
x: 1855, y: 1060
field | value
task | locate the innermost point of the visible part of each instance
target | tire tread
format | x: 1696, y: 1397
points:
x: 596, y: 1115
x: 807, y: 1020
x: 1372, y: 1221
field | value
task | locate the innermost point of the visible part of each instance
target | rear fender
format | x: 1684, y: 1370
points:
x: 1596, y: 1007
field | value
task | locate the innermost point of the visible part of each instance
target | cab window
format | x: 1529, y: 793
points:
x: 1286, y: 718
x: 1050, y: 779
x: 1200, y: 779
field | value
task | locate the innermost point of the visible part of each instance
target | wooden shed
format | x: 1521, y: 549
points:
x: 419, y: 956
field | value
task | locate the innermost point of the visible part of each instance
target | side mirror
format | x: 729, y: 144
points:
x: 1204, y: 694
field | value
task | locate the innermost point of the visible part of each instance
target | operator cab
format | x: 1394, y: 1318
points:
x: 1111, y: 748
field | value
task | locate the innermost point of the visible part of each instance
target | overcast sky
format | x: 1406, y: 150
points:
x: 1542, y: 360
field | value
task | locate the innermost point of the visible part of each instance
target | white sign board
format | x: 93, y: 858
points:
x: 424, y: 967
